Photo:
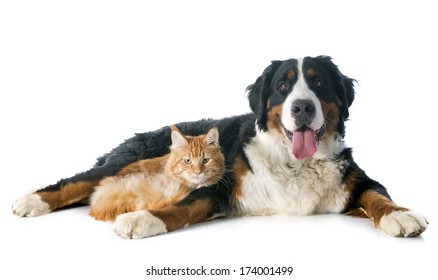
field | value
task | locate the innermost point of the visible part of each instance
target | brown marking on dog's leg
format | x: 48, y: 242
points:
x: 358, y: 213
x: 176, y: 217
x: 377, y: 205
x: 393, y: 219
x: 69, y: 194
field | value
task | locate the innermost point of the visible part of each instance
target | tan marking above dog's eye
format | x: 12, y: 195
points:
x: 291, y: 74
x: 310, y: 72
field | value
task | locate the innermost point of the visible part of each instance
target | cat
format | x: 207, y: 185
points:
x: 152, y: 184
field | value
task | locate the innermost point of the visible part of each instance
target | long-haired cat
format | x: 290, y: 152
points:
x: 193, y: 162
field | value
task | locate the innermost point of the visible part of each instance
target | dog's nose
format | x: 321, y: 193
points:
x: 303, y: 111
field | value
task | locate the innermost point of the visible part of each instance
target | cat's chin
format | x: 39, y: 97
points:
x: 196, y: 181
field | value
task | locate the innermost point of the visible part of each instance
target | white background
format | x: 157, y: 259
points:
x: 79, y: 77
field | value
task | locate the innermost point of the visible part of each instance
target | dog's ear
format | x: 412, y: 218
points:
x: 345, y: 88
x: 346, y: 94
x: 258, y: 94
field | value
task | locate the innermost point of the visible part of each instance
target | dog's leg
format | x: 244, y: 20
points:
x: 196, y: 208
x: 372, y: 198
x: 44, y: 201
x: 79, y: 188
x: 393, y: 219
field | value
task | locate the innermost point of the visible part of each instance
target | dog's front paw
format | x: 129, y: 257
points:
x: 30, y: 205
x: 403, y: 223
x: 138, y: 224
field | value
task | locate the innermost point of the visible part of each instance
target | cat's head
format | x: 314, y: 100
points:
x: 197, y: 161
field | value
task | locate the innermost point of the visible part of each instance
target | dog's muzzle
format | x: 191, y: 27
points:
x: 304, y: 137
x: 303, y: 111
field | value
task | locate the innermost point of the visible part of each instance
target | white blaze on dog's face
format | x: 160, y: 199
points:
x: 301, y: 91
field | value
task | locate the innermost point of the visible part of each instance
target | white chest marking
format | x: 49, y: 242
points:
x: 281, y: 184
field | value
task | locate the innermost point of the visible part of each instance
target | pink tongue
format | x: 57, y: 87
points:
x: 303, y: 143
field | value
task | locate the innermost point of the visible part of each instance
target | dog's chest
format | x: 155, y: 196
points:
x: 280, y: 186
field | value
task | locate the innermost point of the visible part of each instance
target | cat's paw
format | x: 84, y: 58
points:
x: 138, y: 224
x: 30, y: 205
x: 403, y: 223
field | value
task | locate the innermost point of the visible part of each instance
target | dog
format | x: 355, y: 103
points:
x: 286, y: 157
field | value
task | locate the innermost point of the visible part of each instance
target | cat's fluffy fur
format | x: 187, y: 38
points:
x: 193, y: 162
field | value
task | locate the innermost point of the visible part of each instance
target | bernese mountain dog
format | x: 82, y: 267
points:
x: 286, y: 157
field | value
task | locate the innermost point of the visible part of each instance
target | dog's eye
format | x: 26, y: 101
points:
x: 319, y: 83
x: 284, y: 87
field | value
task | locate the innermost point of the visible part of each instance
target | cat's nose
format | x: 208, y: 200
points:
x: 197, y: 170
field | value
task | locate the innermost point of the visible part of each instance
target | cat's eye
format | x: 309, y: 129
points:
x: 187, y: 161
x: 205, y: 160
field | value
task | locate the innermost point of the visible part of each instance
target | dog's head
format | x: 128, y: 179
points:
x: 305, y: 99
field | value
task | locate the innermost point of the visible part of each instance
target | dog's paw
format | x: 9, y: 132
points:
x: 403, y: 223
x: 30, y: 205
x: 138, y: 224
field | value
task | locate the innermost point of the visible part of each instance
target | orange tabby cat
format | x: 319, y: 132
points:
x: 193, y: 162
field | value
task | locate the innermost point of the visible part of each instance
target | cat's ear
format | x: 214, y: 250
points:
x: 212, y: 137
x: 178, y: 140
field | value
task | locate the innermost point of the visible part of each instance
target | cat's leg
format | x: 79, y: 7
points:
x: 201, y: 205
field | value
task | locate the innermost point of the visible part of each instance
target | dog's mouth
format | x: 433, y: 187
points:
x: 304, y: 141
